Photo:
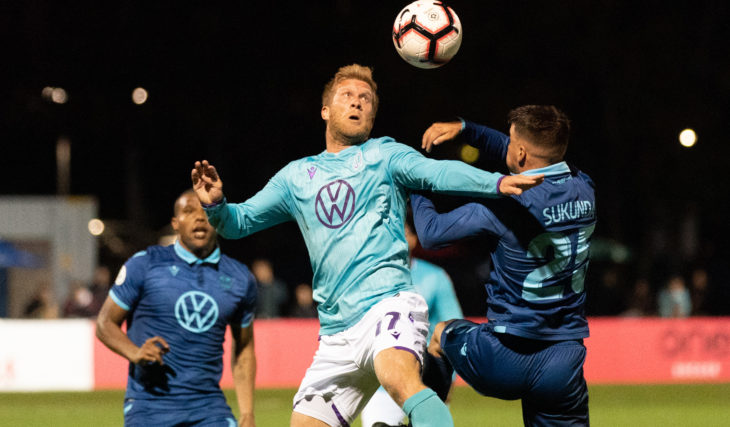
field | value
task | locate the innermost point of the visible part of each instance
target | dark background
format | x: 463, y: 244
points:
x: 240, y: 84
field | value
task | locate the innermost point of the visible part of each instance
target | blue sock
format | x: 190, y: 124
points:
x: 425, y: 409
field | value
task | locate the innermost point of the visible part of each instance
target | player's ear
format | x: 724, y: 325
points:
x: 325, y: 113
x: 175, y: 224
x: 521, y: 155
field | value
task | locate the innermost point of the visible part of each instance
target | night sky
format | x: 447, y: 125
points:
x: 239, y: 84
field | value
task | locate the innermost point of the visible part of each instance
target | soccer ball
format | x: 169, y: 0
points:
x: 427, y: 34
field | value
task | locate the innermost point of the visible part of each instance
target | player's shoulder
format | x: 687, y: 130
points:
x: 384, y: 143
x: 585, y: 178
x: 576, y: 173
x: 386, y: 148
x: 152, y: 254
x: 236, y: 268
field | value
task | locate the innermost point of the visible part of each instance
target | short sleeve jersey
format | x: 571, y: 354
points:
x: 170, y: 293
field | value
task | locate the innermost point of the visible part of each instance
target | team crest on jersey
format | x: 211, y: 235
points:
x: 357, y: 161
x: 196, y: 311
x: 335, y: 204
x: 226, y: 282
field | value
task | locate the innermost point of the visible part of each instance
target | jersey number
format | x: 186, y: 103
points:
x: 533, y: 288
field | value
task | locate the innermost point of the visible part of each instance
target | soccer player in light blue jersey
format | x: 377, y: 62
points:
x: 177, y: 301
x: 434, y: 284
x: 531, y: 347
x: 349, y: 202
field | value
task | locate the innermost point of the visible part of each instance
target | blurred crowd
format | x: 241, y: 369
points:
x: 609, y: 293
x: 84, y: 300
x: 675, y: 294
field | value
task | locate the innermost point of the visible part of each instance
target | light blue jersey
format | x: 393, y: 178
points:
x: 350, y: 207
x: 435, y: 285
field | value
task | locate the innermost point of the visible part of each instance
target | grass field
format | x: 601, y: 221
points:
x: 646, y: 405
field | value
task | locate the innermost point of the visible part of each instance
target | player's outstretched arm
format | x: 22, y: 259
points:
x: 206, y: 183
x: 438, y: 133
x: 514, y: 185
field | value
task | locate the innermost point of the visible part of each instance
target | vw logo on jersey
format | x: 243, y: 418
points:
x: 196, y: 311
x: 335, y: 204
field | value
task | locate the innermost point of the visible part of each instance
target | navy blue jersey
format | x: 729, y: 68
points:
x: 535, y: 289
x: 168, y: 292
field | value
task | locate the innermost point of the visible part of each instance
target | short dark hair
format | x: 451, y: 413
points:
x: 543, y: 125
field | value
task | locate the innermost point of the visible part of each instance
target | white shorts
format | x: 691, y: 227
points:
x: 342, y: 378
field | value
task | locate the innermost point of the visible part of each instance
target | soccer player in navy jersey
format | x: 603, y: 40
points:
x: 349, y: 202
x: 177, y: 301
x: 531, y: 347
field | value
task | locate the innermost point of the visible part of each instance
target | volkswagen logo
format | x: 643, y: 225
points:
x: 196, y: 311
x: 335, y: 204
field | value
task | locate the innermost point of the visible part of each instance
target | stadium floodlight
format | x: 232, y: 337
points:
x: 96, y: 227
x: 139, y: 95
x: 688, y: 138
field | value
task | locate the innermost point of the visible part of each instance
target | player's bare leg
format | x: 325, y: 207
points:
x: 399, y: 372
x: 301, y: 420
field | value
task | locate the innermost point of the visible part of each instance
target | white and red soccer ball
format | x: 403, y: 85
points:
x: 427, y: 34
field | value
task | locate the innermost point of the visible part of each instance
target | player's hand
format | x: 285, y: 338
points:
x: 514, y: 185
x: 434, y: 346
x: 439, y: 132
x: 206, y: 183
x: 151, y: 351
x: 246, y: 420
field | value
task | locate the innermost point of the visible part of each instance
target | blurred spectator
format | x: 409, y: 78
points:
x: 43, y: 304
x: 304, y: 304
x: 272, y: 292
x: 640, y: 301
x: 606, y: 298
x: 699, y: 292
x: 99, y: 287
x: 80, y: 301
x: 674, y: 298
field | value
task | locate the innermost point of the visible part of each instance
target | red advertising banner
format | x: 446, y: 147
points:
x: 630, y: 350
x: 620, y: 351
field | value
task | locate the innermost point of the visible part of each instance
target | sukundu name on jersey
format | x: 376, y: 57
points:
x: 569, y: 211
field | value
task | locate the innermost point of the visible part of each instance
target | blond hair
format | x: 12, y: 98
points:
x: 352, y: 71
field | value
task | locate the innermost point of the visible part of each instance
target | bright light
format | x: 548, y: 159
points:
x: 687, y: 138
x: 96, y: 227
x: 139, y: 96
x: 469, y: 154
x: 47, y: 92
x: 59, y: 95
x: 54, y: 94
